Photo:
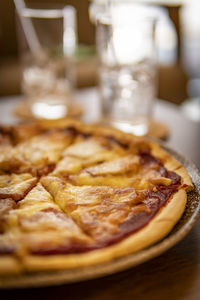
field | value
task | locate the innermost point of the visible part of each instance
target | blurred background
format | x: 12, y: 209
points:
x: 177, y: 37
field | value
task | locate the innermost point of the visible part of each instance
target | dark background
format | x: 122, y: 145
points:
x: 172, y: 79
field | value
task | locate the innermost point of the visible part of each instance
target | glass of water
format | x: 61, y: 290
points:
x: 47, y: 41
x: 127, y: 69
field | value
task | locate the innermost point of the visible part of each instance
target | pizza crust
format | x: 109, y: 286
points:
x: 9, y: 265
x: 166, y: 218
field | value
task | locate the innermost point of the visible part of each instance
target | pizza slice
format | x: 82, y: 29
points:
x: 43, y: 151
x: 140, y: 171
x: 120, y: 220
x: 84, y: 153
x: 37, y: 226
x: 16, y: 186
x: 6, y: 152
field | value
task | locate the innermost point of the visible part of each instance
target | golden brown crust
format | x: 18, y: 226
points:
x: 10, y: 265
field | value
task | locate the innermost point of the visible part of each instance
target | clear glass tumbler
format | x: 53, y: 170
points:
x: 127, y: 69
x: 47, y: 41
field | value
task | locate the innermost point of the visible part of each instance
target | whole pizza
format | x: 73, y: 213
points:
x: 75, y: 195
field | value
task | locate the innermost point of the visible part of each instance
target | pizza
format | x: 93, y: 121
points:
x: 74, y: 195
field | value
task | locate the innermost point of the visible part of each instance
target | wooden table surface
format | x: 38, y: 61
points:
x: 175, y: 274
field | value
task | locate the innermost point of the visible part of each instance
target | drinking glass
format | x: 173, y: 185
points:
x: 47, y: 41
x: 127, y: 69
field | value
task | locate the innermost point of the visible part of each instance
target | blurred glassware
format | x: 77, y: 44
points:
x: 191, y: 109
x: 47, y: 40
x: 165, y: 31
x: 127, y: 70
x: 190, y: 29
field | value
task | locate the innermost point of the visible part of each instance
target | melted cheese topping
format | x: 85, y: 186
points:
x: 85, y: 149
x: 68, y: 165
x: 98, y: 210
x: 117, y: 166
x: 86, y: 179
x: 16, y: 186
x: 35, y: 153
x: 37, y: 199
x: 6, y: 205
x: 7, y: 158
x: 37, y: 214
x: 73, y: 196
x: 43, y: 149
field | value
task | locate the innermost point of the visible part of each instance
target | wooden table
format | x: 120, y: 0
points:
x: 175, y: 274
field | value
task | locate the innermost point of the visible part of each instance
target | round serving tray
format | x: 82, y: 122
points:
x: 189, y: 218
